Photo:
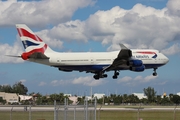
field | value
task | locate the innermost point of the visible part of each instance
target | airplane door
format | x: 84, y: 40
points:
x: 92, y: 60
x: 58, y: 61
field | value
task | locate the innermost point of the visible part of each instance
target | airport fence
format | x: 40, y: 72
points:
x: 75, y: 112
x: 89, y: 111
x: 57, y: 112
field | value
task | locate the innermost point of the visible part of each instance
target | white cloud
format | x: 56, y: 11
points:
x: 49, y: 40
x: 59, y: 82
x: 23, y: 81
x: 149, y: 78
x: 145, y: 79
x: 139, y: 27
x: 88, y: 81
x: 39, y: 13
x: 42, y: 83
x: 137, y: 80
x: 173, y: 8
x: 174, y: 49
x: 15, y: 50
x: 162, y: 83
x: 124, y: 79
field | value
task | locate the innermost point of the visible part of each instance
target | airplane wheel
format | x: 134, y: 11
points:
x: 117, y: 73
x: 96, y: 77
x: 154, y: 74
x: 115, y: 77
x: 105, y: 75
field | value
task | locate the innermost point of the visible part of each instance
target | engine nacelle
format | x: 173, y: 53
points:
x: 138, y: 69
x: 135, y: 63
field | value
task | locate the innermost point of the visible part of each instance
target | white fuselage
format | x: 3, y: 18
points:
x: 84, y: 61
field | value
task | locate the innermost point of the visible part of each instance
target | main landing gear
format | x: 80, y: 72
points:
x: 115, y: 76
x: 154, y: 73
x: 99, y: 75
x: 102, y: 75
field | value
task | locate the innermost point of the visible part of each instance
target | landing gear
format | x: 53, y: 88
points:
x: 155, y: 73
x: 96, y: 77
x: 100, y: 75
x: 115, y: 76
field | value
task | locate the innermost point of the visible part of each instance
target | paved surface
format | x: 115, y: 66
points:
x: 22, y: 108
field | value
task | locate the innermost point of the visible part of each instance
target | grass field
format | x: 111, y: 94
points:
x: 101, y: 115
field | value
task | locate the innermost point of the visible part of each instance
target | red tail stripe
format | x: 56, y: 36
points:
x: 25, y: 55
x: 147, y: 52
x: 25, y: 33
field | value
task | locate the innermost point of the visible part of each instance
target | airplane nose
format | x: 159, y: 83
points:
x: 166, y: 60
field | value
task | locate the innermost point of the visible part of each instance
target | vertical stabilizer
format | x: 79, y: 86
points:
x: 33, y: 45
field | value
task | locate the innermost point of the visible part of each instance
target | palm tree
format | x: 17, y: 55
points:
x: 150, y: 93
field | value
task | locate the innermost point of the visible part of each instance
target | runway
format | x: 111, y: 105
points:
x: 51, y: 108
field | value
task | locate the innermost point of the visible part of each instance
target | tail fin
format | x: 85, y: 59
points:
x: 33, y: 45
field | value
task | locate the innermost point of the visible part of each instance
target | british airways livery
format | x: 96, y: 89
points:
x: 98, y: 63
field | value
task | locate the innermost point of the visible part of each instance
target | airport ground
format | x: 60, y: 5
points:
x: 102, y: 113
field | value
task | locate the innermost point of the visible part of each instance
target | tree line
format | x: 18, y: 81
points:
x: 18, y: 88
x: 150, y: 93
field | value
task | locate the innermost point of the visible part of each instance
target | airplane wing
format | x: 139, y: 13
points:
x: 121, y: 59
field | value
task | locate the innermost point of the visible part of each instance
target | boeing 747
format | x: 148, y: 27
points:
x: 98, y: 63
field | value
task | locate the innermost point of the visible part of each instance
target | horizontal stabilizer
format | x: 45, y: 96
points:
x: 38, y: 55
x: 13, y: 56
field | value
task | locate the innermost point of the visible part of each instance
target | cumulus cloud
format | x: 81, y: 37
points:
x: 137, y: 80
x: 59, y: 82
x: 174, y: 49
x: 42, y: 83
x: 69, y: 31
x: 88, y: 81
x: 124, y: 79
x: 6, y: 49
x: 173, y: 8
x: 52, y: 42
x: 39, y: 13
x: 139, y: 27
x: 23, y: 81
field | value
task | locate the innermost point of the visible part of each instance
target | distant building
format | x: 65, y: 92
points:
x: 25, y: 97
x: 89, y: 97
x: 99, y: 95
x: 74, y: 99
x: 68, y: 95
x: 9, y: 97
x: 178, y: 93
x: 140, y: 95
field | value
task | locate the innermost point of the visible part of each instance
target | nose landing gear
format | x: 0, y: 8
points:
x: 154, y: 73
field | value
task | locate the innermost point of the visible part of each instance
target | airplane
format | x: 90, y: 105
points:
x: 98, y: 63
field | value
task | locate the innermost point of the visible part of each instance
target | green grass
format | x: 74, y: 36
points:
x: 25, y: 115
x: 101, y: 115
x: 133, y: 115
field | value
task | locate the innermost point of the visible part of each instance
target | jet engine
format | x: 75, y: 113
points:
x: 138, y: 69
x: 135, y: 63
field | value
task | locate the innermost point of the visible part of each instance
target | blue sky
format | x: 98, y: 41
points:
x: 91, y: 25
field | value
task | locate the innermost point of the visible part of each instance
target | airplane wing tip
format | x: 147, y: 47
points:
x: 122, y: 46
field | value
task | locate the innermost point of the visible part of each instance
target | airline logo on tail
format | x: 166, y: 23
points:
x: 33, y: 45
